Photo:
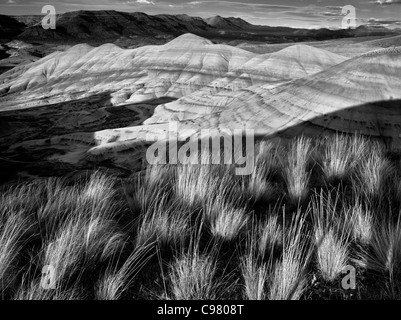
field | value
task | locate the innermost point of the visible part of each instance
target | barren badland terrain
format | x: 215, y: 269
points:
x: 82, y: 106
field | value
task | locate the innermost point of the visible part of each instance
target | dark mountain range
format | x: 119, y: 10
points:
x: 227, y: 23
x: 10, y: 27
x: 113, y: 24
x: 92, y: 26
x: 29, y: 20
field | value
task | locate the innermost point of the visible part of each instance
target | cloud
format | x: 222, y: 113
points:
x: 383, y: 21
x: 145, y: 2
x: 328, y: 13
x: 387, y: 2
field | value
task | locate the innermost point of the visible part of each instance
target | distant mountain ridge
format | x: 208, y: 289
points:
x: 113, y: 24
x: 10, y: 27
x: 227, y: 23
x: 84, y: 26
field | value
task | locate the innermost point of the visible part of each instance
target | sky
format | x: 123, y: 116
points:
x: 292, y: 13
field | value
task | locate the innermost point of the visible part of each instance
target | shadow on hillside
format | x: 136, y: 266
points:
x: 380, y: 120
x: 83, y: 116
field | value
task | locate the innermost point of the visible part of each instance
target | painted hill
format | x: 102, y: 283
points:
x: 361, y: 94
x: 386, y: 42
x: 182, y: 66
x: 218, y: 87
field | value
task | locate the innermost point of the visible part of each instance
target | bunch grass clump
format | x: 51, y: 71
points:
x: 296, y: 173
x: 289, y: 276
x: 374, y: 172
x: 342, y: 154
x: 199, y: 231
x: 331, y: 236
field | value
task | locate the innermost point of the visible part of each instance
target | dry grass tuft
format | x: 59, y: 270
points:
x: 385, y: 253
x: 331, y: 236
x: 255, y: 276
x: 288, y: 281
x: 116, y: 281
x: 270, y: 234
x: 342, y: 153
x: 165, y: 223
x: 296, y: 172
x: 374, y: 172
x: 362, y: 222
x: 210, y: 228
x: 192, y: 275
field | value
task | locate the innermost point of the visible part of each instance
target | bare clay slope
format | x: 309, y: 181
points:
x: 176, y: 69
x: 221, y: 88
x: 208, y: 79
x: 362, y: 94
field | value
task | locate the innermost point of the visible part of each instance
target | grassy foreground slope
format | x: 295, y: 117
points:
x: 309, y: 210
